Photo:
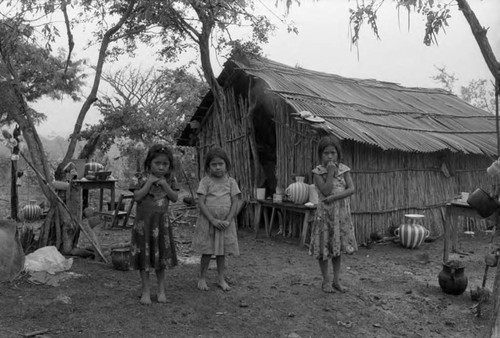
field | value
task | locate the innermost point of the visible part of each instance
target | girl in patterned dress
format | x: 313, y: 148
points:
x: 152, y: 245
x: 215, y: 234
x: 333, y: 229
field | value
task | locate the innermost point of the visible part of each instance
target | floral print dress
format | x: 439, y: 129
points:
x: 333, y: 230
x: 152, y: 242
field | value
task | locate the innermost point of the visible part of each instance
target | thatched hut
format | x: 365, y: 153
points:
x: 411, y: 150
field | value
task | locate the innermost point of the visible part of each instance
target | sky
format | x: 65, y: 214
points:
x: 323, y: 44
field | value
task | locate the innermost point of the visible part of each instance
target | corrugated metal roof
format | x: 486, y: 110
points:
x: 382, y: 114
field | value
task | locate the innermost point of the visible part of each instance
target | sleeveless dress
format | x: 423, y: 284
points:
x: 152, y: 243
x: 333, y: 230
x: 209, y: 240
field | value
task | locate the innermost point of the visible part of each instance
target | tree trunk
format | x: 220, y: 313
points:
x: 479, y: 33
x: 494, y: 327
x: 92, y: 97
x: 90, y: 147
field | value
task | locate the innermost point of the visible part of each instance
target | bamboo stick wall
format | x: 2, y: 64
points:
x: 295, y: 147
x: 229, y: 130
x: 389, y: 184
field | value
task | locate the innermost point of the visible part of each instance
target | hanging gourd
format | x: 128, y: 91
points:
x: 31, y: 211
x: 298, y: 192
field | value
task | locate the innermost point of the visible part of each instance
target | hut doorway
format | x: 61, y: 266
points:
x: 265, y: 139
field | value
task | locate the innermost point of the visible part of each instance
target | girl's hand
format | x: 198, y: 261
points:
x: 225, y: 224
x: 152, y: 179
x: 332, y: 168
x: 328, y: 199
x: 162, y: 182
x: 217, y: 223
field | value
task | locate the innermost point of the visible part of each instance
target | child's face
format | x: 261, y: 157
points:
x: 217, y: 167
x: 160, y: 165
x: 329, y: 154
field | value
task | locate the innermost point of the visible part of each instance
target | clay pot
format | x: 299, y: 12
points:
x: 412, y: 234
x: 31, y: 211
x: 120, y: 257
x: 484, y: 204
x: 298, y: 192
x: 452, y: 278
x: 491, y: 259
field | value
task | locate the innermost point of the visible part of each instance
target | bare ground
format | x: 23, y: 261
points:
x: 393, y: 292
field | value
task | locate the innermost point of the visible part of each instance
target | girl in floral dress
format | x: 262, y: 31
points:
x: 215, y: 234
x: 152, y: 245
x: 333, y: 229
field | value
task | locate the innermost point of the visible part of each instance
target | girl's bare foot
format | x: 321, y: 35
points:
x: 146, y: 299
x: 202, y: 285
x: 224, y: 286
x: 326, y: 287
x: 162, y: 298
x: 339, y: 287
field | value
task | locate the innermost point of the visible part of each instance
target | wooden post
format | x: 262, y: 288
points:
x: 494, y: 327
x: 14, y: 197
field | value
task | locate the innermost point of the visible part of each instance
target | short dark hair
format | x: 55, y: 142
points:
x: 217, y: 152
x: 327, y: 141
x: 159, y: 149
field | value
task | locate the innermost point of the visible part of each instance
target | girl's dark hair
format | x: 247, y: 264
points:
x: 216, y: 152
x: 327, y: 141
x: 154, y: 151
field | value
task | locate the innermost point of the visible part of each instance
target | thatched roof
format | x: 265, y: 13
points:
x: 382, y: 114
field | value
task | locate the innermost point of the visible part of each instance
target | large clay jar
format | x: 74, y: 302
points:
x: 412, y: 233
x: 31, y: 211
x: 298, y: 192
x: 120, y: 257
x: 452, y: 278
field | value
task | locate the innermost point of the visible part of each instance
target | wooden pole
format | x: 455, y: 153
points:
x: 73, y: 218
x: 14, y: 196
x: 494, y: 327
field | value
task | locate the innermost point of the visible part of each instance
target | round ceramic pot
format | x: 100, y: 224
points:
x: 92, y: 166
x: 120, y: 257
x: 31, y: 211
x: 298, y: 192
x: 452, y: 278
x: 412, y: 234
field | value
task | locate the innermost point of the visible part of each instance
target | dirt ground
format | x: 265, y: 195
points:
x: 393, y: 292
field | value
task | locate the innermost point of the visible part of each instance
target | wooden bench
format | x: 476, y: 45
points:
x: 280, y: 209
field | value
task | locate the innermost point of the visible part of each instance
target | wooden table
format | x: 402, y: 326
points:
x: 453, y: 210
x: 86, y: 185
x: 275, y: 208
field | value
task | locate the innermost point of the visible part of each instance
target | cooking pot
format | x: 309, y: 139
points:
x: 484, y: 204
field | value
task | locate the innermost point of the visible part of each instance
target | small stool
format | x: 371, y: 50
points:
x: 115, y: 214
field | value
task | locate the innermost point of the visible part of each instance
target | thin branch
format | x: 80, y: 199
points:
x: 71, y: 42
x: 186, y: 27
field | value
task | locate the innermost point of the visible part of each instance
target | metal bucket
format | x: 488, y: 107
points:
x: 484, y: 204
